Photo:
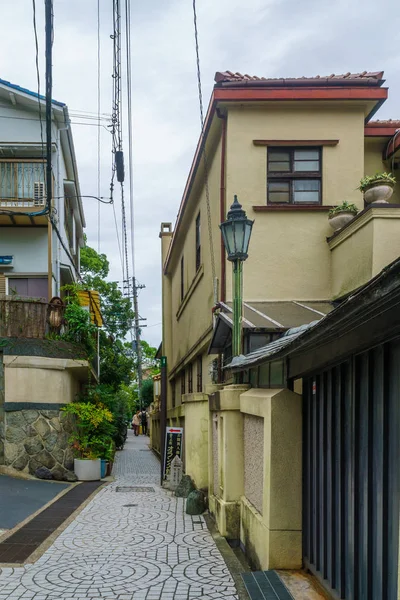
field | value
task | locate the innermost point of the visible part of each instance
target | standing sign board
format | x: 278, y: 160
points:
x: 173, y: 447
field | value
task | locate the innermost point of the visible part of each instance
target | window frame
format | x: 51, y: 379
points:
x: 190, y: 378
x: 198, y: 241
x: 182, y: 278
x: 199, y: 374
x: 291, y: 176
x: 183, y: 382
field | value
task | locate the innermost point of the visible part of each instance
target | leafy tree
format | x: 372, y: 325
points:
x: 147, y: 392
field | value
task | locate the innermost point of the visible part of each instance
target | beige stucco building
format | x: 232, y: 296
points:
x: 290, y: 149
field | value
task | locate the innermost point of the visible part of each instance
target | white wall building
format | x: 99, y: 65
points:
x: 40, y: 265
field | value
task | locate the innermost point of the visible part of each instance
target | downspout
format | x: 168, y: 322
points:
x: 222, y: 197
x: 60, y: 202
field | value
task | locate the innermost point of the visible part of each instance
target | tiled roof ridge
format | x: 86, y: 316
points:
x: 380, y: 122
x: 227, y: 77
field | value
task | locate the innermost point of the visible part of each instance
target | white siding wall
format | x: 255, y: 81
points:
x: 21, y: 126
x: 28, y: 245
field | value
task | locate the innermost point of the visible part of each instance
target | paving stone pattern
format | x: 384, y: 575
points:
x: 148, y: 551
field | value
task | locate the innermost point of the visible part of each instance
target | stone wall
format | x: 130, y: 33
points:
x: 254, y: 460
x: 37, y: 438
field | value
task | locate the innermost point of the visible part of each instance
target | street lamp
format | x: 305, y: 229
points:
x: 236, y: 232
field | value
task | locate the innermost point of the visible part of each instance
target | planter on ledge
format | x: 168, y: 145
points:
x: 87, y: 470
x: 377, y: 188
x: 340, y: 219
x: 342, y: 214
x: 378, y: 194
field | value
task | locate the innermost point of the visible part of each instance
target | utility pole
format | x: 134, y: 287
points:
x: 49, y: 91
x: 137, y: 336
x: 137, y: 327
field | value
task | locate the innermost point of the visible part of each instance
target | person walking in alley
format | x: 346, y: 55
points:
x: 144, y: 416
x: 136, y: 423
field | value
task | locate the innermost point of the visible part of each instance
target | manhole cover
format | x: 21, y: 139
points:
x: 130, y: 505
x: 135, y: 488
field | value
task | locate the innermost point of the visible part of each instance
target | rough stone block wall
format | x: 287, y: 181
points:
x: 38, y: 438
x: 254, y: 460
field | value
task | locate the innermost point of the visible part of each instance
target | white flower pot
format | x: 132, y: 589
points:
x: 87, y: 470
x: 340, y: 219
x: 378, y: 194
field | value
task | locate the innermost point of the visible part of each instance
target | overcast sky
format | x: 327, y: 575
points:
x: 264, y: 37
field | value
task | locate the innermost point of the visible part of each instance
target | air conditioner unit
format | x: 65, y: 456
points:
x: 39, y: 193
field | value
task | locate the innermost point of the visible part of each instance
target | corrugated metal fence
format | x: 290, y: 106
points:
x: 351, y: 479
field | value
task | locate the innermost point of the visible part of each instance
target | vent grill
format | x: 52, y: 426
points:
x: 134, y: 488
x: 265, y: 585
x: 39, y: 193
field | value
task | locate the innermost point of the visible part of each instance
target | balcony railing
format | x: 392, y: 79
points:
x: 22, y: 184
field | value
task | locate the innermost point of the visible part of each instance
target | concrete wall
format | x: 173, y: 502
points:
x: 273, y: 539
x: 196, y: 438
x: 373, y: 152
x: 35, y: 432
x: 283, y: 242
x: 364, y: 248
x: 32, y: 379
x: 258, y: 496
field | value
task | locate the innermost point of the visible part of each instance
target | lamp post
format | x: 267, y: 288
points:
x: 236, y: 232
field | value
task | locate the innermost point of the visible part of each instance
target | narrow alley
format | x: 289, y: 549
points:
x: 127, y: 544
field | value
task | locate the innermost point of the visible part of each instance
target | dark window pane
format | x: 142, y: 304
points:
x: 263, y: 375
x: 278, y: 186
x: 302, y: 185
x: 306, y: 165
x: 277, y: 372
x: 278, y: 156
x: 254, y: 377
x: 278, y: 197
x: 279, y: 166
x: 306, y: 155
x: 306, y: 197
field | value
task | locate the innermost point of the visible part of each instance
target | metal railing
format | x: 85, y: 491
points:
x: 22, y: 184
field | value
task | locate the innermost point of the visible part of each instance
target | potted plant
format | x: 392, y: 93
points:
x: 342, y: 214
x: 377, y: 188
x: 90, y: 421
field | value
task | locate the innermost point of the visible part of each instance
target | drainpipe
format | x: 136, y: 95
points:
x: 222, y: 196
x: 59, y: 203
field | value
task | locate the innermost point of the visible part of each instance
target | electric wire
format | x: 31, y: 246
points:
x: 203, y: 141
x: 130, y: 149
x: 38, y: 86
x: 98, y: 130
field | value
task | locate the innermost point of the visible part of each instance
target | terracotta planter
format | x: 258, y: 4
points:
x: 378, y: 194
x: 340, y: 219
x: 87, y: 470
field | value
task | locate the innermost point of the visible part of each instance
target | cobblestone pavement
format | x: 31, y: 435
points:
x: 127, y: 545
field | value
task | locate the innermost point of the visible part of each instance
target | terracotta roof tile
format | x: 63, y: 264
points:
x: 384, y: 123
x: 365, y: 78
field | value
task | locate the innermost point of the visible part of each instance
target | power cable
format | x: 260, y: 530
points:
x: 130, y: 153
x: 118, y: 240
x: 38, y: 85
x: 203, y: 140
x: 98, y: 130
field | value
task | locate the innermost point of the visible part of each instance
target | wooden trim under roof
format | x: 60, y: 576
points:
x: 294, y: 143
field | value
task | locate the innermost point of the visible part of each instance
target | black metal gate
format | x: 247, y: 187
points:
x: 351, y: 480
